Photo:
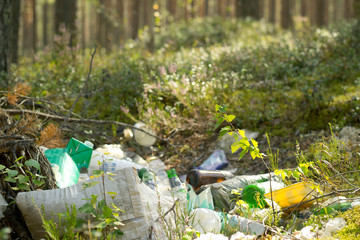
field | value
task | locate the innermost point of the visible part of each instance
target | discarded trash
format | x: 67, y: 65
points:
x: 108, y: 163
x: 112, y: 150
x: 147, y: 178
x: 307, y: 233
x: 339, y: 203
x: 203, y: 200
x: 333, y: 225
x: 242, y: 236
x: 294, y: 194
x: 143, y: 138
x: 138, y: 202
x: 197, y: 178
x: 65, y: 170
x: 246, y: 226
x: 205, y: 220
x: 177, y: 188
x: 254, y: 196
x: 216, y: 161
x: 222, y: 195
x: 212, y: 236
x: 128, y: 134
x: 80, y: 152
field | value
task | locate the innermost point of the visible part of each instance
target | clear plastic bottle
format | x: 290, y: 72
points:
x: 177, y: 188
x: 197, y: 178
x: 147, y: 178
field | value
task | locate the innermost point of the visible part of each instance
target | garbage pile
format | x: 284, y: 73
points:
x: 149, y: 201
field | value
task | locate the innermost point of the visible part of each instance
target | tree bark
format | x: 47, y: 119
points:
x: 303, y: 8
x: 5, y: 33
x: 134, y: 19
x: 65, y: 14
x: 286, y: 18
x: 206, y: 8
x: 15, y: 11
x: 246, y: 8
x: 120, y: 27
x: 29, y: 26
x: 322, y: 12
x: 272, y: 11
x: 45, y: 21
x: 348, y: 9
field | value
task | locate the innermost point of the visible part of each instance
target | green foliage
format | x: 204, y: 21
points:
x: 352, y: 229
x: 26, y: 178
x: 241, y: 141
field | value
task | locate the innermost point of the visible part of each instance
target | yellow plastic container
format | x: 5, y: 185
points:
x: 294, y: 194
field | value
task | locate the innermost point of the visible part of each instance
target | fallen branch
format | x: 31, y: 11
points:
x: 168, y: 211
x: 77, y: 120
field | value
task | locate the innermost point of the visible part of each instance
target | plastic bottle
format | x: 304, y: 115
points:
x: 216, y: 161
x: 147, y: 178
x: 177, y: 188
x: 197, y: 178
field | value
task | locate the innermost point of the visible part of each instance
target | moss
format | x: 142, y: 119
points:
x: 352, y: 229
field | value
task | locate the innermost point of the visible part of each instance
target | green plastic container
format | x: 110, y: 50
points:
x: 80, y: 152
x: 65, y: 170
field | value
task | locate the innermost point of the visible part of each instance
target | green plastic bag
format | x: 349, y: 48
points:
x: 65, y: 170
x: 80, y: 152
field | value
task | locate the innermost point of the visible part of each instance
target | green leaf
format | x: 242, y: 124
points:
x: 254, y: 143
x: 244, y: 143
x: 38, y: 183
x: 229, y: 118
x: 253, y: 154
x: 217, y: 107
x: 97, y: 173
x: 2, y: 167
x: 89, y: 184
x: 23, y: 179
x: 107, y: 212
x: 23, y: 186
x: 224, y: 131
x: 219, y: 122
x: 87, y: 208
x: 19, y: 158
x: 101, y: 204
x: 243, y: 152
x: 33, y: 163
x: 101, y: 225
x: 235, y: 146
x: 10, y: 179
x: 12, y: 173
x: 242, y: 133
x: 296, y: 174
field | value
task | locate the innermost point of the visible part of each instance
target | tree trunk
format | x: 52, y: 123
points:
x: 246, y: 8
x: 206, y: 8
x: 337, y: 13
x: 286, y: 18
x: 322, y: 12
x: 45, y: 21
x: 171, y: 8
x: 5, y: 47
x: 272, y: 11
x: 134, y: 19
x: 356, y: 7
x: 303, y: 8
x: 65, y: 14
x: 237, y: 8
x: 348, y: 9
x: 119, y: 29
x: 15, y: 11
x: 28, y: 26
x: 151, y: 22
